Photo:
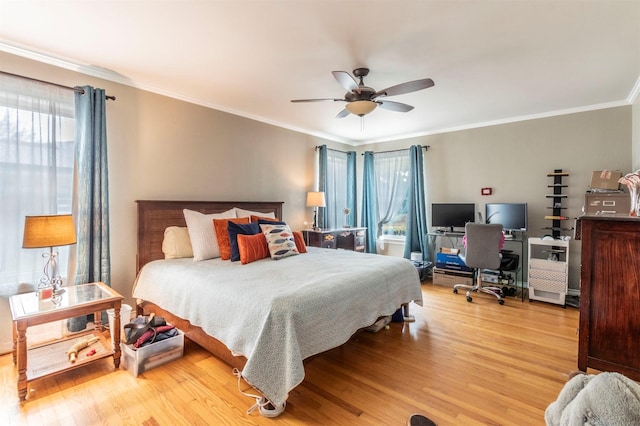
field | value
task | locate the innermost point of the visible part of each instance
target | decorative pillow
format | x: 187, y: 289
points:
x: 252, y: 247
x: 299, y: 240
x: 203, y: 238
x: 280, y: 240
x: 176, y: 243
x: 222, y: 234
x: 247, y: 213
x: 255, y: 218
x: 263, y: 221
x: 236, y: 229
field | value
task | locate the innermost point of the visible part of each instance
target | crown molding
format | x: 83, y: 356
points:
x: 109, y: 75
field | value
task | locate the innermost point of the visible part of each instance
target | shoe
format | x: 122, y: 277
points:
x: 267, y: 409
x: 419, y: 420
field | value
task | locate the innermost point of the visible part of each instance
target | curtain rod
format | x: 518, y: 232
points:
x: 425, y: 147
x: 112, y: 98
x: 331, y: 149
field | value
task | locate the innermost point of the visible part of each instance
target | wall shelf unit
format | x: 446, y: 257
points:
x: 557, y: 209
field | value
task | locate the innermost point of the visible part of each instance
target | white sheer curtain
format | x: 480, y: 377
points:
x: 336, y: 191
x: 392, y: 186
x: 37, y: 132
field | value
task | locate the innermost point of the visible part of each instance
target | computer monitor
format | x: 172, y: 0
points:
x: 452, y: 215
x: 512, y: 216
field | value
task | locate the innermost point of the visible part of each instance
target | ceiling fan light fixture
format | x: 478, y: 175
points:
x: 361, y: 108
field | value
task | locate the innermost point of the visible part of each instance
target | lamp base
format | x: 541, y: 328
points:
x: 315, y: 220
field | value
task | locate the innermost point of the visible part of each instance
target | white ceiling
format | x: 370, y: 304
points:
x: 492, y: 61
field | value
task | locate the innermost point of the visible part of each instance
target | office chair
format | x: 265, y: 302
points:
x: 483, y: 252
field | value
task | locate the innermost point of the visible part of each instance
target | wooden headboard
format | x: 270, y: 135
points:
x: 154, y: 216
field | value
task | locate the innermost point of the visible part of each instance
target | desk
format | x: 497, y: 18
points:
x: 455, y: 238
x: 339, y: 238
x: 27, y: 310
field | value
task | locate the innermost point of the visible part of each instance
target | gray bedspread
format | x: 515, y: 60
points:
x: 277, y: 313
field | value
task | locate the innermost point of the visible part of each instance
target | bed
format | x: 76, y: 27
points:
x: 265, y: 318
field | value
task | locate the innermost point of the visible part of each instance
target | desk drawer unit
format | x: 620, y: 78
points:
x: 450, y: 278
x: 548, y: 270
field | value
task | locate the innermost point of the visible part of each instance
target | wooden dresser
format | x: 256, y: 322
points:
x: 340, y: 238
x: 609, y: 337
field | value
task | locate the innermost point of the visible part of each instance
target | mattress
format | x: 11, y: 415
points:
x: 276, y: 313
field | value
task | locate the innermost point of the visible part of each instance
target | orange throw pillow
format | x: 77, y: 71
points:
x: 252, y: 247
x: 299, y: 239
x: 255, y: 218
x: 222, y: 232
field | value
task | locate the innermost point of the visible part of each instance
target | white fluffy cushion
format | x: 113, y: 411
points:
x: 201, y: 232
x: 280, y: 240
x: 176, y: 243
x: 247, y: 213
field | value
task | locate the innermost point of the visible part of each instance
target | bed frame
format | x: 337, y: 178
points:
x: 153, y: 218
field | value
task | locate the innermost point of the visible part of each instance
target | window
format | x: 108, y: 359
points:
x: 336, y: 189
x: 37, y: 133
x: 337, y: 179
x: 391, y: 170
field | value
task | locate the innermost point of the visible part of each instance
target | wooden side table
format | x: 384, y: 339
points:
x: 51, y: 358
x: 340, y: 238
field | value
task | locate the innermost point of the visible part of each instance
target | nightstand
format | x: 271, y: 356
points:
x: 339, y: 238
x: 42, y: 361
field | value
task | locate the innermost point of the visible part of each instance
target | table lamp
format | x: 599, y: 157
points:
x: 315, y: 200
x: 49, y: 231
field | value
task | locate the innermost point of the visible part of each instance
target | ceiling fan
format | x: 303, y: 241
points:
x: 361, y: 99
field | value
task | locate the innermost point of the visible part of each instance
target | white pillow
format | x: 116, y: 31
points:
x: 176, y: 243
x: 247, y: 213
x: 201, y: 232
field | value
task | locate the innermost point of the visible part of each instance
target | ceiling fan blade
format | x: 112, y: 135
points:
x: 346, y: 80
x: 408, y: 87
x: 394, y: 106
x: 318, y: 100
x: 343, y: 113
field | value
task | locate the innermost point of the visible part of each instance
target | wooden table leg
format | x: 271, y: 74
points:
x: 14, y: 330
x: 115, y: 333
x: 21, y: 329
x: 97, y: 321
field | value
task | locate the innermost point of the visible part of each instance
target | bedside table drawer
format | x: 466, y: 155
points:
x: 343, y: 238
x: 328, y: 241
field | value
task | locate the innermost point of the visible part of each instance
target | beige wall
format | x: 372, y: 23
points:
x: 514, y: 159
x: 636, y: 134
x: 162, y: 148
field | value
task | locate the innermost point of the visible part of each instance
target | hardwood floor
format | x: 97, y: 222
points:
x: 460, y: 364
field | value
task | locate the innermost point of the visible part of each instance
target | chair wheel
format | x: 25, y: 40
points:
x: 469, y: 299
x: 501, y: 302
x: 455, y: 290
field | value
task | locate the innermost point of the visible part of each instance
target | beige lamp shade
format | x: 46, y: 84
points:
x: 315, y: 199
x: 48, y: 231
